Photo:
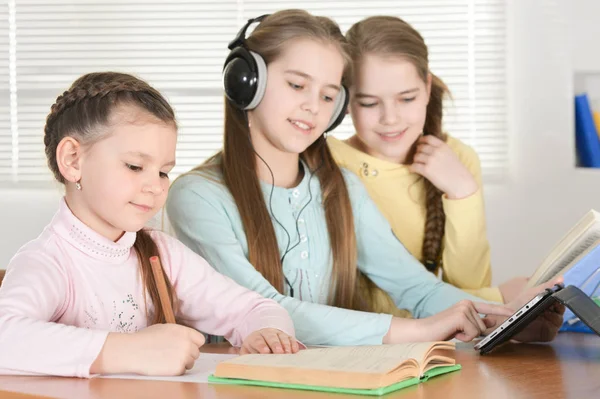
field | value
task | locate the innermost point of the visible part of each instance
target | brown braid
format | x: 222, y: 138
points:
x: 435, y: 220
x: 83, y: 112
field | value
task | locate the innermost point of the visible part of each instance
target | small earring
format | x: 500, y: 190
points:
x: 325, y: 135
x: 78, y: 185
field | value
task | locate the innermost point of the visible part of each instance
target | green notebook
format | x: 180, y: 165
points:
x: 363, y: 370
x: 372, y: 392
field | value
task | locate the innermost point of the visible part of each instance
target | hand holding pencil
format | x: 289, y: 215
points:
x: 160, y: 349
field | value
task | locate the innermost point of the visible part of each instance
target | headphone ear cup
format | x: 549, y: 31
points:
x: 339, y: 109
x: 261, y: 80
x: 239, y: 82
x: 244, y: 78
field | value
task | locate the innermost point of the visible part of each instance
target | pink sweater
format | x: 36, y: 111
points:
x: 67, y: 289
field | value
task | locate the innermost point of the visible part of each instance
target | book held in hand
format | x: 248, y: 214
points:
x: 367, y: 370
x: 577, y: 258
x: 572, y: 249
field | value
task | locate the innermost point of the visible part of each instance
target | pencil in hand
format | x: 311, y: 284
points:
x: 165, y: 301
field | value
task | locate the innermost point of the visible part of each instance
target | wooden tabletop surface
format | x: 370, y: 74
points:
x: 569, y: 367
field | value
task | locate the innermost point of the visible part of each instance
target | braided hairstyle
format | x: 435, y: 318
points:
x: 435, y: 220
x: 83, y: 112
x: 392, y: 36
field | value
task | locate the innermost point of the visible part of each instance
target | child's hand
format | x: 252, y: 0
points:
x: 166, y: 349
x: 161, y: 349
x: 512, y: 288
x: 461, y: 321
x: 528, y: 294
x: 269, y: 340
x: 545, y: 327
x: 436, y: 161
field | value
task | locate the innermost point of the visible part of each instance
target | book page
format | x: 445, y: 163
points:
x: 379, y: 359
x: 590, y: 221
x: 563, y: 260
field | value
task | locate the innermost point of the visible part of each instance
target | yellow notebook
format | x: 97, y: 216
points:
x: 369, y: 370
x: 596, y: 115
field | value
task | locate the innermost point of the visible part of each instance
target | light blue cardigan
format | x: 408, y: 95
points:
x: 205, y: 217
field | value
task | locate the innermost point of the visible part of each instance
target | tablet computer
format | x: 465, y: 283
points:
x: 518, y: 320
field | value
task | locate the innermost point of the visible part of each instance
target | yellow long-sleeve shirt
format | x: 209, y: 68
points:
x: 400, y: 195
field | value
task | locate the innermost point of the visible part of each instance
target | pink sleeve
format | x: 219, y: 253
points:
x: 213, y: 303
x: 33, y: 296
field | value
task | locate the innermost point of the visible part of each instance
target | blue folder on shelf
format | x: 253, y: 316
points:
x: 586, y: 136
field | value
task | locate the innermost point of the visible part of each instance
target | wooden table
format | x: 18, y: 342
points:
x: 567, y: 368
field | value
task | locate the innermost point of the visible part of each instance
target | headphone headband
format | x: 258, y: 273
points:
x: 240, y: 38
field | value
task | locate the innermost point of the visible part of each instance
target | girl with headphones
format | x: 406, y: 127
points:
x: 274, y: 212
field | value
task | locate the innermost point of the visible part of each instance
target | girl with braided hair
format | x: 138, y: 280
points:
x: 426, y: 183
x: 81, y: 298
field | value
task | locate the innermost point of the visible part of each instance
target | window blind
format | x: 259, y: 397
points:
x: 5, y: 130
x: 179, y: 47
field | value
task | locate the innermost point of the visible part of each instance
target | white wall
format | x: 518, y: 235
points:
x: 24, y: 214
x: 544, y: 193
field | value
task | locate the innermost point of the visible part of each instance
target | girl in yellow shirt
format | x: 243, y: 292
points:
x: 426, y: 183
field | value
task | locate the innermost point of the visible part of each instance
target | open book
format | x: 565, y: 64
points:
x: 582, y: 238
x: 372, y: 370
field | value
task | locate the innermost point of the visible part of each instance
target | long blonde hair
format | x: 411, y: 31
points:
x: 391, y: 36
x: 237, y: 164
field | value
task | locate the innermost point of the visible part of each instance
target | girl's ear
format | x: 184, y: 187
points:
x: 68, y: 158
